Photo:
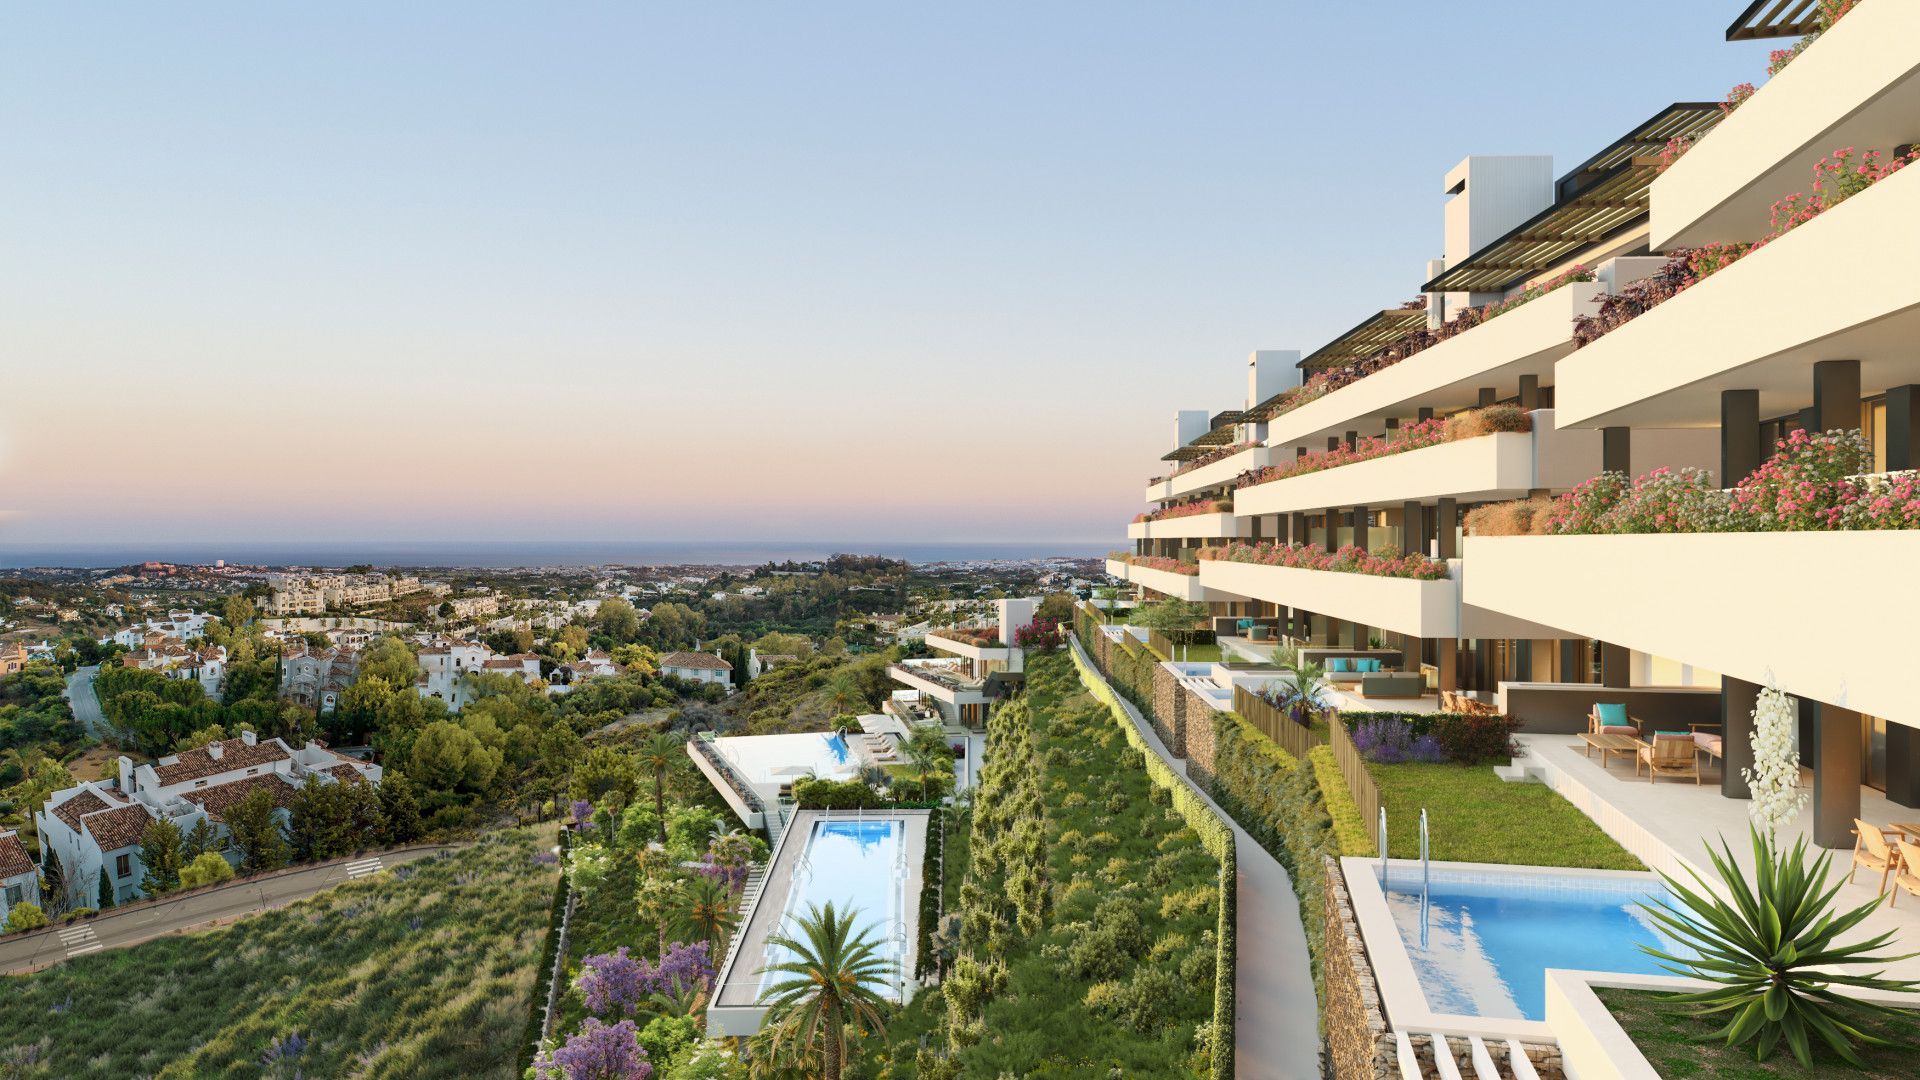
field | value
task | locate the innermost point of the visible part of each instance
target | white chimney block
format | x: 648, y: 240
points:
x: 1271, y: 371
x: 126, y: 775
x: 1190, y: 424
x: 249, y: 738
x: 1014, y: 614
x: 216, y: 750
x: 1491, y: 194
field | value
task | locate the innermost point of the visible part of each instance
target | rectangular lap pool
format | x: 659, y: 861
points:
x: 857, y: 866
x: 867, y: 863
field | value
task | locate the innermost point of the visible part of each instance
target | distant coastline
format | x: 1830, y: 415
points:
x: 511, y: 553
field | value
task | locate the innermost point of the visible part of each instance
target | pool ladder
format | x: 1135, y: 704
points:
x: 1426, y: 867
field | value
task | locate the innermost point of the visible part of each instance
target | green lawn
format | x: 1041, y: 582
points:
x: 1679, y: 1045
x: 1474, y: 816
x: 425, y: 971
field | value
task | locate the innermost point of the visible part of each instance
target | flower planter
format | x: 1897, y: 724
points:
x: 1859, y: 85
x: 1845, y: 285
x: 1525, y: 340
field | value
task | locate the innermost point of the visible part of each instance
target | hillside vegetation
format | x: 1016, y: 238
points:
x: 424, y: 971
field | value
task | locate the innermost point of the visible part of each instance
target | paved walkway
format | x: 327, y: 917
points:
x: 146, y: 921
x: 1276, y: 1017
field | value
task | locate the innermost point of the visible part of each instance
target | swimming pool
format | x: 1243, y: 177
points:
x: 857, y: 866
x: 1484, y: 942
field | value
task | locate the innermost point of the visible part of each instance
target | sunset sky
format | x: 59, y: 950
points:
x: 847, y: 271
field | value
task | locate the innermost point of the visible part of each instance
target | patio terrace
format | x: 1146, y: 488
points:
x: 1666, y: 824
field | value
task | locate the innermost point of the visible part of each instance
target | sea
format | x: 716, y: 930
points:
x: 510, y: 553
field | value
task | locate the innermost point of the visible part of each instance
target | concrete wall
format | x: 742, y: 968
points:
x: 1555, y: 708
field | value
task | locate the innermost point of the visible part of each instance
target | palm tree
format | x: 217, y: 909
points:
x: 1309, y: 683
x: 659, y: 754
x: 929, y: 755
x: 833, y: 989
x: 706, y: 913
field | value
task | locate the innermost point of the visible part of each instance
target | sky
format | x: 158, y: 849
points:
x: 865, y: 271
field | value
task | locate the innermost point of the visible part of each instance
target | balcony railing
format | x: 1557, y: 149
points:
x: 953, y: 677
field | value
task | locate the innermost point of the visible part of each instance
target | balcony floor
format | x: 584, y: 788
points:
x: 1669, y: 822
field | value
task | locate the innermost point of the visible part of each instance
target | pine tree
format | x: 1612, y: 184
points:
x: 106, y: 891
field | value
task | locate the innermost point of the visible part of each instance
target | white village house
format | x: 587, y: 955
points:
x: 697, y: 667
x: 19, y: 878
x: 98, y: 824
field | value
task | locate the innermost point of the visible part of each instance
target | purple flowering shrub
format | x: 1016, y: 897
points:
x: 615, y: 984
x: 1391, y: 742
x: 596, y: 1052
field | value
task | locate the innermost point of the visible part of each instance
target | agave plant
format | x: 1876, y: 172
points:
x: 1771, y: 952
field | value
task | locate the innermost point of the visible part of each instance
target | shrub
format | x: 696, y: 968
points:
x: 1350, y: 559
x: 825, y: 794
x: 25, y: 915
x: 207, y: 868
x: 1348, y: 828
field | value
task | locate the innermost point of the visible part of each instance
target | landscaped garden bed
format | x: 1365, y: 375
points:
x: 1678, y: 1044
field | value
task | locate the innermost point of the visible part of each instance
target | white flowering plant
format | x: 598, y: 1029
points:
x: 1776, y: 764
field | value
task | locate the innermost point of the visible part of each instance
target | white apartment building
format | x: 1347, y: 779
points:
x: 314, y: 595
x: 317, y: 677
x: 98, y: 824
x: 445, y: 664
x: 981, y: 664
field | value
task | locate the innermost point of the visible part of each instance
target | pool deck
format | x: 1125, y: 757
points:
x: 1668, y: 824
x: 733, y: 1011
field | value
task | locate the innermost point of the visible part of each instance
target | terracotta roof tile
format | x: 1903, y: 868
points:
x: 119, y: 827
x: 695, y: 661
x: 13, y: 856
x: 221, y: 797
x: 234, y: 754
x: 80, y: 806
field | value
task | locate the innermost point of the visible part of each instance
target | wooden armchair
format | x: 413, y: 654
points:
x: 1907, y: 874
x: 1668, y: 755
x: 1873, y: 849
x: 1618, y: 724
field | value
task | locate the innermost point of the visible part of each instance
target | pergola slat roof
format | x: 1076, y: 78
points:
x: 1219, y: 433
x: 1775, y: 19
x: 1602, y: 198
x: 1374, y: 333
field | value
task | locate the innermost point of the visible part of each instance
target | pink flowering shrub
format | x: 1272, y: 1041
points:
x: 1836, y: 178
x: 1155, y: 562
x: 1347, y: 560
x: 1040, y: 635
x: 1811, y: 482
x: 1464, y: 425
x: 1188, y: 509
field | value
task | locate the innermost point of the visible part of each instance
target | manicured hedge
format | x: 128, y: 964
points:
x: 1215, y: 835
x: 1348, y: 828
x: 930, y: 886
x: 1278, y: 803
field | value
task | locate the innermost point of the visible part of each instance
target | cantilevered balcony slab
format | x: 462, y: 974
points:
x: 1191, y: 527
x: 1505, y: 465
x: 1118, y: 569
x: 1827, y: 616
x: 1218, y: 474
x: 1844, y: 286
x: 1524, y: 341
x: 1421, y: 608
x: 1857, y: 86
x: 938, y: 681
x: 1168, y: 583
x: 956, y: 647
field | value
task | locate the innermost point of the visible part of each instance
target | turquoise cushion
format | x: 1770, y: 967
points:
x: 1373, y: 665
x: 1338, y: 663
x: 1612, y: 714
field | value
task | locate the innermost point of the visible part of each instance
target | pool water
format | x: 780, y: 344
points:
x: 857, y: 866
x: 1490, y: 939
x: 837, y: 746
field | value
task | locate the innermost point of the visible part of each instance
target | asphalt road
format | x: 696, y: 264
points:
x: 86, y: 704
x: 143, y: 922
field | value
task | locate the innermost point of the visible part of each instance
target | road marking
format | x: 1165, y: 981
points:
x: 365, y: 867
x: 80, y: 939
